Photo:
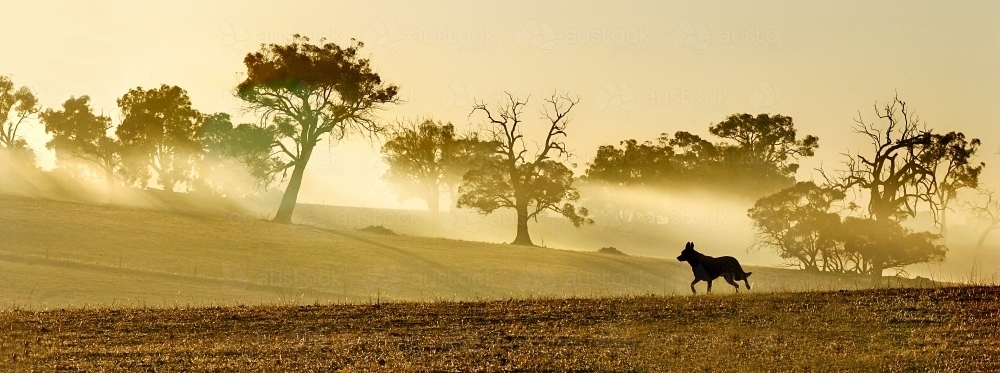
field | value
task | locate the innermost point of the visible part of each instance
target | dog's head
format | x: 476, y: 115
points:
x: 688, y: 254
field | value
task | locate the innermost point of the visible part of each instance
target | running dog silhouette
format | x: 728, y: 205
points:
x: 707, y: 268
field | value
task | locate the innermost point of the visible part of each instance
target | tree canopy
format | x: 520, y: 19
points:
x: 757, y: 152
x: 17, y: 105
x: 949, y: 157
x: 766, y: 142
x: 78, y: 133
x: 428, y: 159
x: 798, y: 224
x: 158, y: 136
x: 801, y: 224
x: 236, y: 160
x: 887, y: 245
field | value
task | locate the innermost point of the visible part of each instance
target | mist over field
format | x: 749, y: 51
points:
x: 637, y: 221
x: 514, y: 186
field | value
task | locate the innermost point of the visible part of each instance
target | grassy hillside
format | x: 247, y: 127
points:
x: 920, y: 330
x: 59, y: 254
x: 718, y: 231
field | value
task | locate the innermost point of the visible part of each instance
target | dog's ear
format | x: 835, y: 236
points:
x: 687, y: 246
x: 692, y: 246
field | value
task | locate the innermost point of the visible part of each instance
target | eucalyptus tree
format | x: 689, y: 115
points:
x: 17, y: 106
x: 78, y: 133
x: 307, y: 93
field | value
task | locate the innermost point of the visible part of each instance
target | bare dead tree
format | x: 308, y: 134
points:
x: 894, y: 176
x: 513, y: 178
x: 906, y: 168
x: 987, y: 213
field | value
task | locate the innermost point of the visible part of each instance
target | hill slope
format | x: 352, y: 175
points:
x: 59, y: 254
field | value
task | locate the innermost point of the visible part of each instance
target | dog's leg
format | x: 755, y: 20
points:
x: 729, y: 279
x: 746, y: 282
x: 709, y: 286
x: 692, y: 286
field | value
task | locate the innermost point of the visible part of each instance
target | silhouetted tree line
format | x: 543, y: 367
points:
x: 305, y: 93
x: 301, y: 91
x: 757, y: 153
x: 161, y: 140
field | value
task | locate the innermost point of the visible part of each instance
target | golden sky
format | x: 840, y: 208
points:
x: 640, y: 67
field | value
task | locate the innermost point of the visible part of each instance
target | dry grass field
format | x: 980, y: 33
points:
x: 56, y: 255
x: 946, y: 329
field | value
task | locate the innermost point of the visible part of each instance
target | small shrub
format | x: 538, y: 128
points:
x: 610, y: 250
x: 377, y: 229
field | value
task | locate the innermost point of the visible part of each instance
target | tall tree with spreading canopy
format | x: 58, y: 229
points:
x: 896, y: 178
x: 307, y: 92
x: 428, y: 159
x: 798, y: 224
x: 511, y: 178
x: 17, y: 105
x: 78, y: 133
x: 158, y: 135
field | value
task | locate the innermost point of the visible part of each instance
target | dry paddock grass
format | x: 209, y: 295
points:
x: 947, y: 329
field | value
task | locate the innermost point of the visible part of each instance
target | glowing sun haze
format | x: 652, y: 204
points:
x: 640, y: 67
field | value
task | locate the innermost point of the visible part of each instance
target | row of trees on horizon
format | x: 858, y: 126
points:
x: 304, y: 93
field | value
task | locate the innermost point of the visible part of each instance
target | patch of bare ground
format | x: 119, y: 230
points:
x: 947, y: 329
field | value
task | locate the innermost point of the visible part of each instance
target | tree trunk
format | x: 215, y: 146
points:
x: 109, y: 178
x: 434, y: 206
x: 982, y: 238
x: 522, y: 226
x: 433, y: 200
x: 882, y: 215
x: 453, y: 194
x: 877, y: 268
x: 944, y: 223
x: 291, y: 194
